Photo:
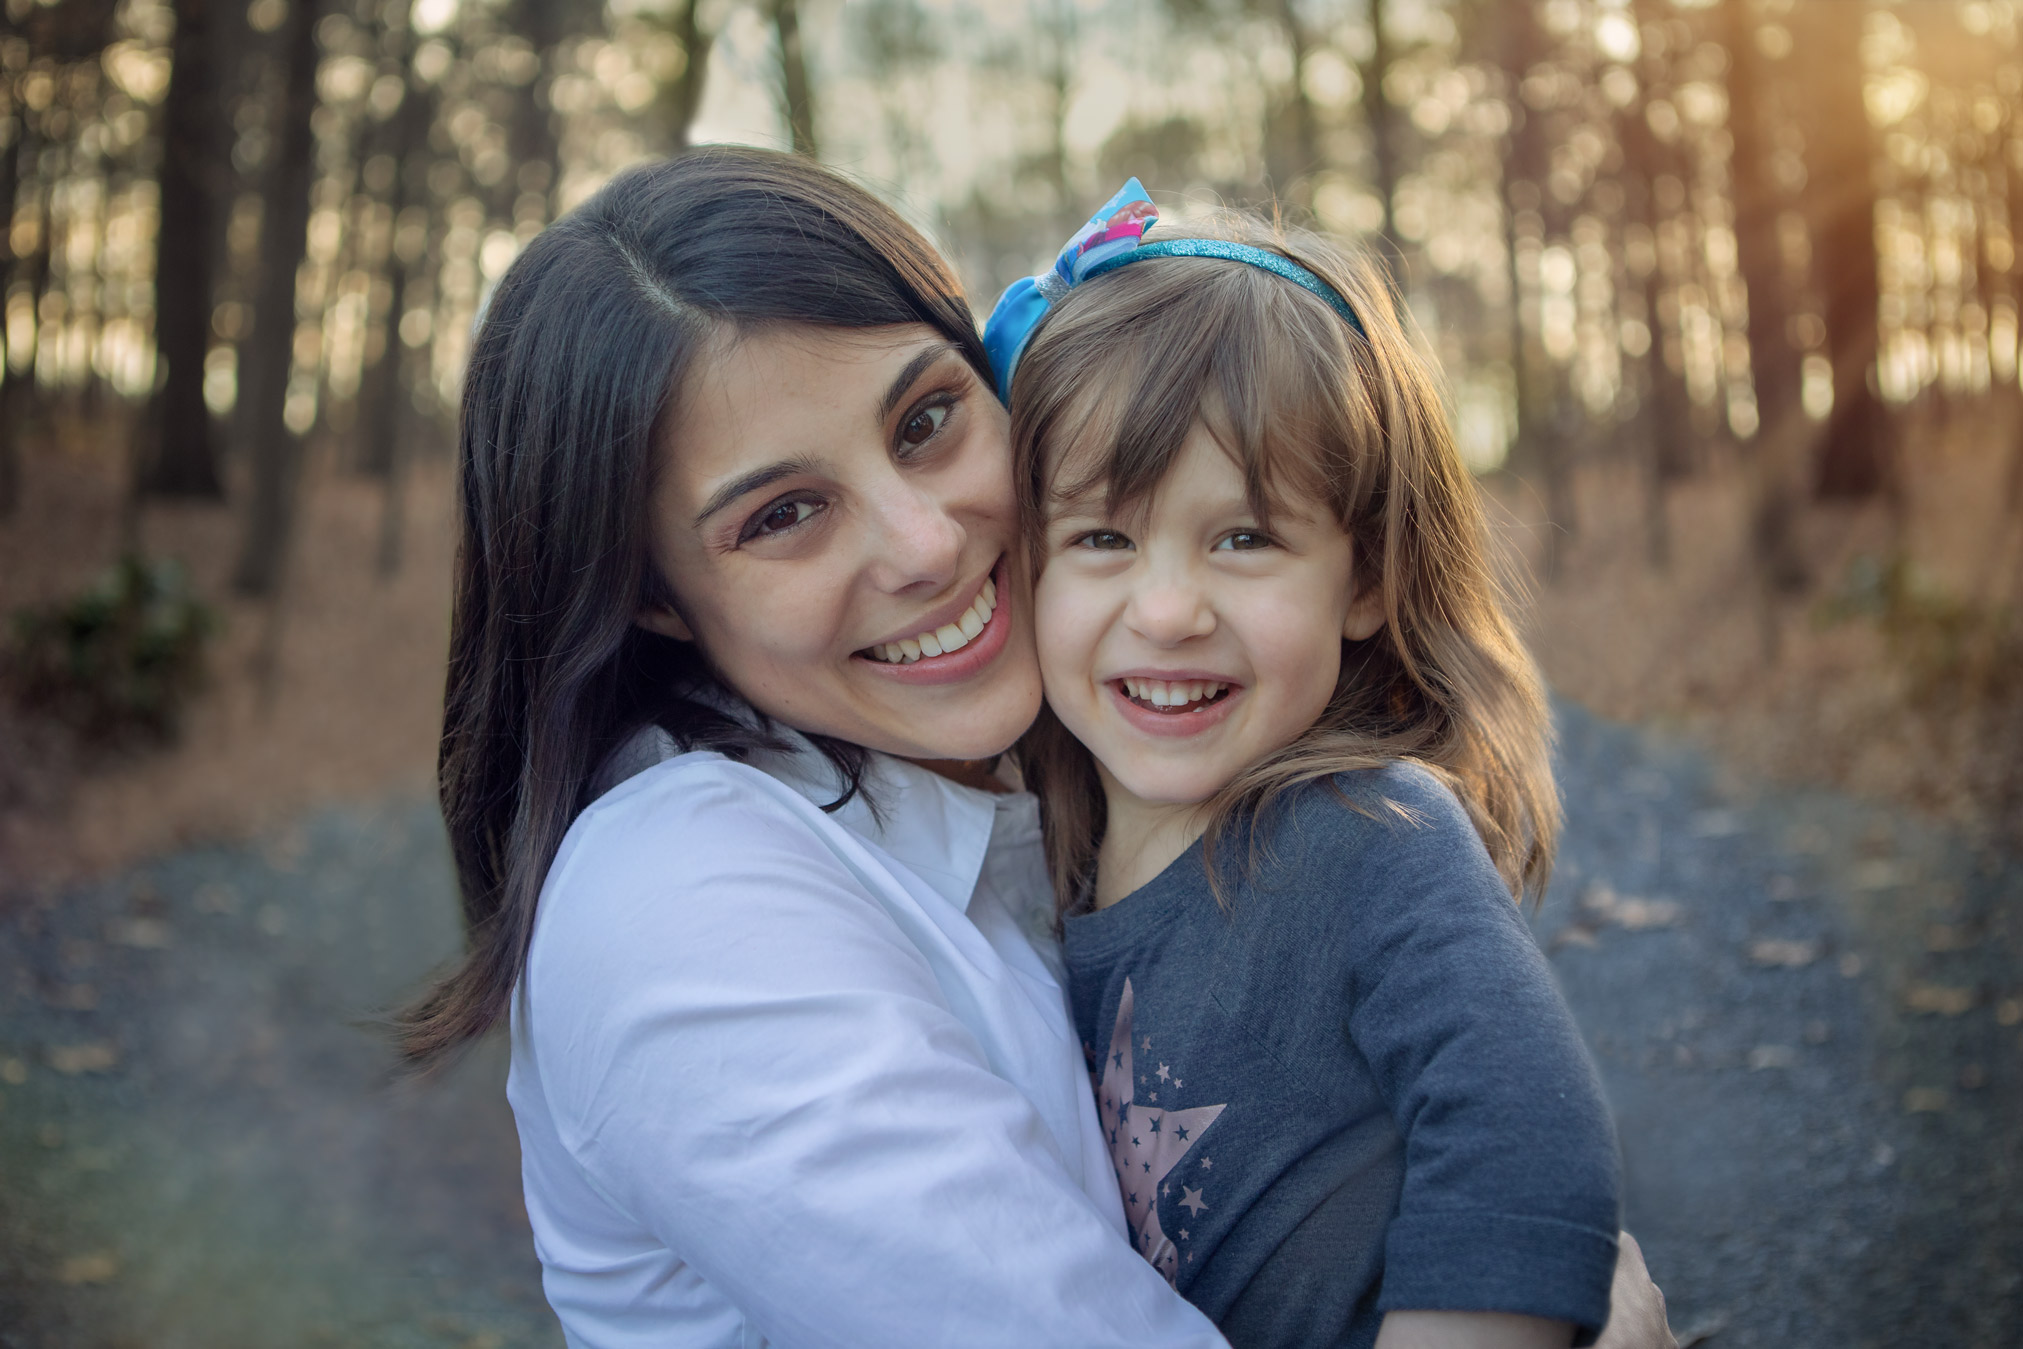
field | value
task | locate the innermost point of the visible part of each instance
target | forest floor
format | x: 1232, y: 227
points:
x: 1792, y: 937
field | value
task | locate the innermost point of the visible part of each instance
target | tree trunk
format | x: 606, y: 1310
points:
x: 1291, y: 145
x: 797, y: 97
x: 1380, y: 121
x: 181, y: 460
x: 1543, y: 435
x: 1854, y: 459
x: 1665, y: 413
x: 1773, y: 361
x: 685, y: 95
x: 10, y: 184
x: 403, y: 138
x: 276, y: 451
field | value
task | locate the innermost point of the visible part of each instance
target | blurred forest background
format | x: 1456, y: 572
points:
x: 1726, y: 293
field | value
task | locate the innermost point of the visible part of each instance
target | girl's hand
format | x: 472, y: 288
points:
x: 1471, y: 1330
x: 1636, y: 1305
x: 1636, y: 1319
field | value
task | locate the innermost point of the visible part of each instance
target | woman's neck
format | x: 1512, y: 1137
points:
x: 1140, y: 839
x: 978, y: 773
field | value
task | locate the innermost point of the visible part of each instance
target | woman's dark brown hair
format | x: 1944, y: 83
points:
x: 581, y: 353
x: 1106, y: 393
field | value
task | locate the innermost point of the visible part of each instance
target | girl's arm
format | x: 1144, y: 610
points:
x: 748, y: 1057
x: 1471, y: 1330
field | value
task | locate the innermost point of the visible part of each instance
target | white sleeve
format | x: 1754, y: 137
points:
x: 746, y: 1055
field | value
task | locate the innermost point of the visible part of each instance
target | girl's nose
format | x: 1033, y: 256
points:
x: 1168, y: 610
x: 915, y: 542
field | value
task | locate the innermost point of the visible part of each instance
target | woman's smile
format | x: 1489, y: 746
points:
x: 949, y: 646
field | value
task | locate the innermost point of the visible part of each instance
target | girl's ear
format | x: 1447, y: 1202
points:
x: 1366, y: 614
x: 664, y: 620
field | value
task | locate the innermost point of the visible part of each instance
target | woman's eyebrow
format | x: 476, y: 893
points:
x: 751, y: 482
x: 912, y: 371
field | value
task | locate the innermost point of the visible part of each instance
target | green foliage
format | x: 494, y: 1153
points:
x: 1949, y: 646
x: 118, y: 660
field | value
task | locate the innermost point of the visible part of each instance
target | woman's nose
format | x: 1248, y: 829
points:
x: 1169, y: 609
x: 915, y: 542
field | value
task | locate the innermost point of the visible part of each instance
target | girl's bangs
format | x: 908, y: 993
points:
x: 1165, y: 344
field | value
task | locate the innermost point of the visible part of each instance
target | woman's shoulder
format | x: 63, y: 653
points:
x: 684, y: 820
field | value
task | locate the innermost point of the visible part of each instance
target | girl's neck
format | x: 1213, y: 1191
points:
x: 1141, y: 839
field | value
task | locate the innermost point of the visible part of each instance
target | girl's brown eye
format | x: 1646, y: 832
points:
x: 921, y: 426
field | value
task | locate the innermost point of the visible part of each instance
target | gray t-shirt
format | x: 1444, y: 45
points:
x: 1355, y: 1088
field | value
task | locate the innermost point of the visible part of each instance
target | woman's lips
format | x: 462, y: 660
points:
x: 957, y: 665
x: 1188, y: 719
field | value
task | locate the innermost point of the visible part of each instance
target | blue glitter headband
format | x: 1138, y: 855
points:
x: 1114, y: 237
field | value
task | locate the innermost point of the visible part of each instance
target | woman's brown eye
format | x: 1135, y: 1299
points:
x: 783, y: 517
x: 922, y: 425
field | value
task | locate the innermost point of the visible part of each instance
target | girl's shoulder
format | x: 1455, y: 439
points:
x: 1402, y: 805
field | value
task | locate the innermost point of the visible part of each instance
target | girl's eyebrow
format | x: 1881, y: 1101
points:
x: 753, y: 481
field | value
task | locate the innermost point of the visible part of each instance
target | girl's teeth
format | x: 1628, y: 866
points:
x: 1172, y: 693
x: 949, y: 637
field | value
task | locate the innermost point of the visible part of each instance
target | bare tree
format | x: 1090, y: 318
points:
x: 1544, y: 411
x: 680, y: 99
x: 274, y: 449
x: 182, y: 461
x: 1665, y: 407
x: 1773, y: 360
x: 797, y: 98
x: 1854, y: 454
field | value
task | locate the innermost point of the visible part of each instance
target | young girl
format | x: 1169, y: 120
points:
x: 1294, y: 771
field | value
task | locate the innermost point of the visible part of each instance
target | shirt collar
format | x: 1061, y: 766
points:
x: 937, y: 829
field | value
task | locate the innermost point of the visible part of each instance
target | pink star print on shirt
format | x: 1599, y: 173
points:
x: 1145, y: 1144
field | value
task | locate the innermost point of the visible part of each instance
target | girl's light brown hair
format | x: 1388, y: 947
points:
x: 1106, y: 392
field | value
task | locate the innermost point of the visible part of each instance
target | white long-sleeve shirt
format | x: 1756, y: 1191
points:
x: 796, y: 1078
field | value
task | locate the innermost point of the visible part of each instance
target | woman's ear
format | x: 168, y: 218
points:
x: 662, y: 618
x: 1366, y: 614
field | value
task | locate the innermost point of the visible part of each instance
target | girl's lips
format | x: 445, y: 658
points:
x: 1172, y: 724
x: 956, y: 666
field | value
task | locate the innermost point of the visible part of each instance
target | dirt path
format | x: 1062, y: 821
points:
x: 1805, y: 1010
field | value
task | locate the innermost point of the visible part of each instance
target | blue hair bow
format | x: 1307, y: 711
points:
x: 1114, y: 236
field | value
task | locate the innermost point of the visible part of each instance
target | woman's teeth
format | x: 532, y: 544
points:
x: 942, y: 640
x: 1173, y: 692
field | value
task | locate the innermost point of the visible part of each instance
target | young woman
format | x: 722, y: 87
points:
x: 738, y: 628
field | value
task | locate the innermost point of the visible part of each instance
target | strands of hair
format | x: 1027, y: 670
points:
x: 573, y: 381
x: 1112, y: 382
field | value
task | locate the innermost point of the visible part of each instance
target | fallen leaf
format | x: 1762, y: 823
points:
x: 146, y: 934
x: 1772, y: 1056
x: 13, y: 1071
x: 1879, y: 874
x: 1716, y: 824
x: 1574, y: 934
x: 1783, y: 952
x: 1638, y: 914
x: 74, y: 997
x: 215, y: 898
x: 1850, y: 965
x: 1628, y: 911
x: 1927, y: 1100
x: 2008, y: 1012
x: 1941, y: 999
x: 97, y: 1267
x: 1946, y: 937
x: 96, y: 1056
